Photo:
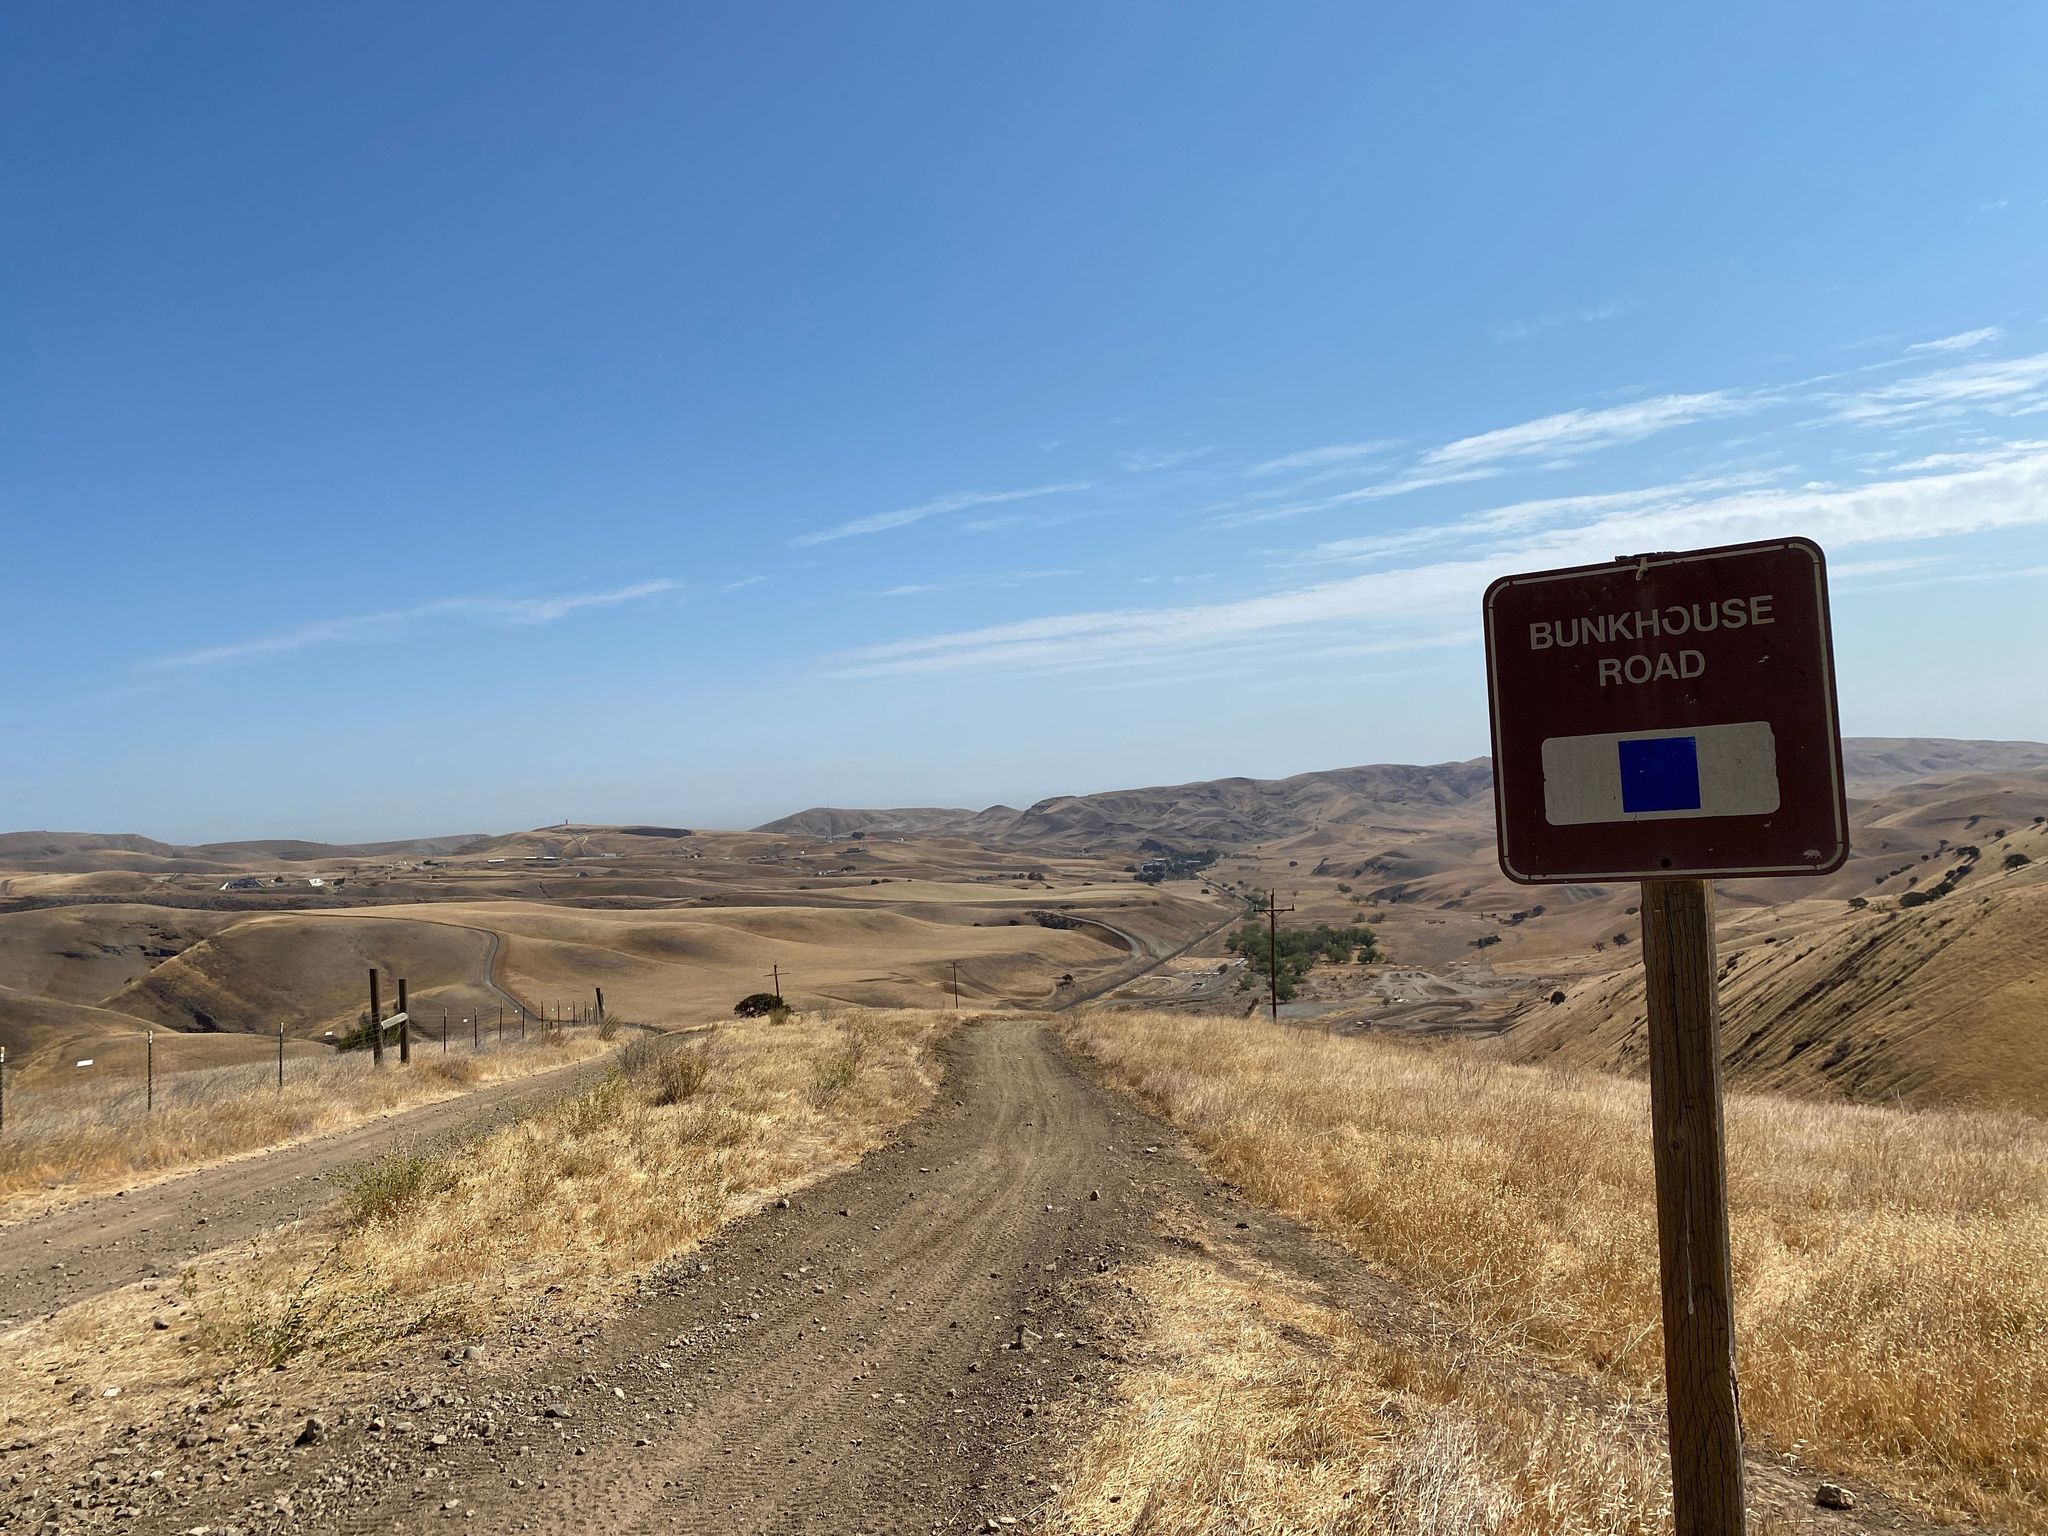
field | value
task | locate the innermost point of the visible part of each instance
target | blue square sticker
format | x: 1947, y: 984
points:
x: 1660, y: 773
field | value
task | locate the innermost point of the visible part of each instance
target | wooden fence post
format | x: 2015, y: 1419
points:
x: 404, y: 1027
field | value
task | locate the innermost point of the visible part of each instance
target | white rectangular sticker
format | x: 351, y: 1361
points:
x: 1707, y: 770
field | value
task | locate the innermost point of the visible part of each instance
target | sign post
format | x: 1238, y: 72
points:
x: 1670, y: 719
x: 1690, y: 1152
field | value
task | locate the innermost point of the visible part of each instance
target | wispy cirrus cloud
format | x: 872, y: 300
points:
x: 1593, y: 314
x: 1582, y: 431
x: 370, y: 626
x: 1405, y: 600
x: 2007, y: 386
x: 1402, y: 484
x: 1962, y: 341
x: 1325, y: 457
x: 956, y: 583
x: 1520, y: 517
x: 1141, y: 461
x: 938, y: 506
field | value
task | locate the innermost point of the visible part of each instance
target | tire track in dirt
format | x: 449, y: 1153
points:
x: 79, y: 1250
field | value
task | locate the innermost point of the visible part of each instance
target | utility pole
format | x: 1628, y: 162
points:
x: 1273, y: 949
x: 775, y: 975
x: 280, y: 1058
x: 376, y: 1022
x: 956, y: 984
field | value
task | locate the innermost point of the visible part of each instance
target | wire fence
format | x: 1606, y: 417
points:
x: 162, y: 1070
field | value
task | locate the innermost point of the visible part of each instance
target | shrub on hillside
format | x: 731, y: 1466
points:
x: 677, y: 1076
x: 380, y: 1190
x: 757, y: 1005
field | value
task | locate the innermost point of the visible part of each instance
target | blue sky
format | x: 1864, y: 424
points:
x: 436, y: 418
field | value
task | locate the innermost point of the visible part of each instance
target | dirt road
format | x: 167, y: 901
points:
x: 908, y: 1346
x: 849, y: 1362
x: 64, y: 1255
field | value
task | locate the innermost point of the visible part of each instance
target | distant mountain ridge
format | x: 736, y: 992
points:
x: 1232, y: 810
x: 86, y: 852
x: 1244, y: 810
x: 1228, y: 811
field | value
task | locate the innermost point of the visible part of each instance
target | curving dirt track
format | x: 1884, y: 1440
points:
x: 74, y: 1251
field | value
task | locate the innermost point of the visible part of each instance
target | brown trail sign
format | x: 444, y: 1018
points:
x: 1670, y: 718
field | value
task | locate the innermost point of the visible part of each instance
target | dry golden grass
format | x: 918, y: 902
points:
x: 1249, y: 1404
x: 1891, y: 1265
x: 99, y: 1137
x: 425, y: 1249
x: 607, y: 1182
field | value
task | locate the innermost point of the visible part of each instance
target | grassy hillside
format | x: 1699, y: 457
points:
x: 1945, y: 1002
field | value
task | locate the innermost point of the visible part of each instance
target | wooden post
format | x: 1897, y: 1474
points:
x: 376, y: 1022
x: 444, y: 1031
x: 404, y: 1027
x: 280, y: 1058
x: 476, y: 1025
x: 501, y: 1023
x: 1690, y: 1149
x: 600, y: 1005
x: 3, y: 1087
x: 149, y: 1072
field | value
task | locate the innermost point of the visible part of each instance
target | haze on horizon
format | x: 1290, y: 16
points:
x: 429, y: 422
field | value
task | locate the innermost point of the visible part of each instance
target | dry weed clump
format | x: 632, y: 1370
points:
x: 1891, y: 1265
x: 1248, y: 1404
x: 87, y: 1139
x: 675, y: 1140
